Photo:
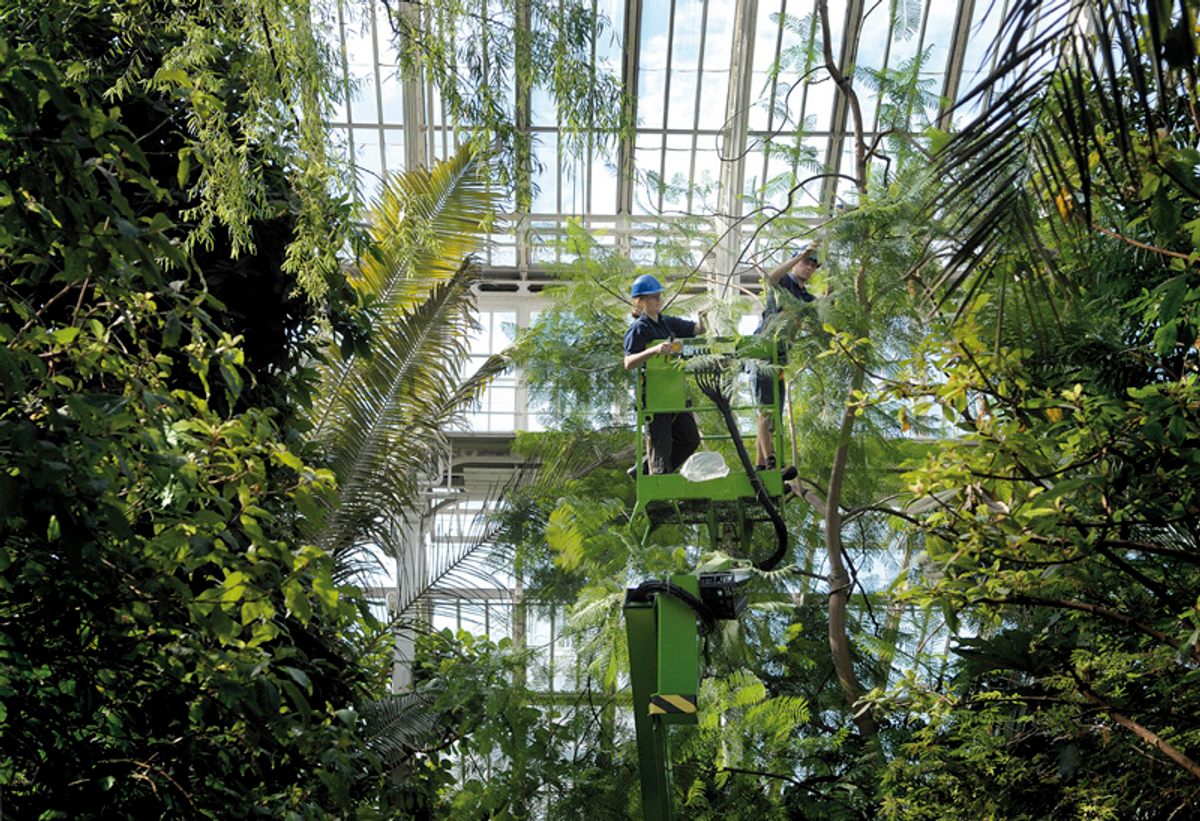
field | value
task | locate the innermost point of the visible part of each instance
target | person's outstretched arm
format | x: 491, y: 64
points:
x: 782, y: 268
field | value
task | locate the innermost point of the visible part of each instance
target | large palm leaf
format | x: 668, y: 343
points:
x: 392, y: 422
x: 401, y: 725
x: 1036, y: 168
x: 381, y: 418
x: 464, y: 560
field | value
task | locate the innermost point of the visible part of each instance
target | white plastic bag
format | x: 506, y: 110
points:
x: 704, y: 465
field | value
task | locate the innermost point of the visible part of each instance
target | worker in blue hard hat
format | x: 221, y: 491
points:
x: 673, y: 436
x: 790, y: 276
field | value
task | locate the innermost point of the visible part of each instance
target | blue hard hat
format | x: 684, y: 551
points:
x: 645, y: 285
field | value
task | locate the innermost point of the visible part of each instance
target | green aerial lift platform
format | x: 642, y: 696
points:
x: 665, y: 619
x: 664, y: 388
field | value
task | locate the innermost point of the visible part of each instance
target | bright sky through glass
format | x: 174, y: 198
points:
x: 682, y: 147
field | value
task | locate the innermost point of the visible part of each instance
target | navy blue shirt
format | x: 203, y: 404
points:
x: 791, y: 286
x: 645, y: 330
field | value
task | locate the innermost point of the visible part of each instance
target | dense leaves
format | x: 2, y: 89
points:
x: 1061, y: 539
x: 168, y: 644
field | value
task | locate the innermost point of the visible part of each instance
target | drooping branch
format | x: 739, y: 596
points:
x: 1145, y: 734
x: 1105, y: 613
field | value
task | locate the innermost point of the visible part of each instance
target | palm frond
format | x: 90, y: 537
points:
x: 395, y: 408
x: 423, y: 225
x: 464, y: 560
x: 564, y: 456
x: 1076, y: 84
x: 382, y: 417
x: 401, y: 725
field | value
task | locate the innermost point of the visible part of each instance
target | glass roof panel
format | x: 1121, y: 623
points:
x: 358, y: 31
x: 647, y: 158
x: 542, y: 113
x: 363, y: 107
x: 545, y: 177
x: 682, y: 88
x: 652, y: 64
x: 686, y: 42
x: 819, y: 103
x: 706, y: 177
x: 609, y: 47
x: 938, y: 33
x: 681, y: 110
x: 766, y: 42
x: 677, y: 171
x: 714, y: 90
x: 873, y: 54
x: 393, y: 150
x: 604, y: 187
x: 985, y: 25
x: 393, y: 102
x: 368, y: 161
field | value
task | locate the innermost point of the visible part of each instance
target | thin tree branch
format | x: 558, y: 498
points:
x: 1136, y: 244
x: 1147, y: 735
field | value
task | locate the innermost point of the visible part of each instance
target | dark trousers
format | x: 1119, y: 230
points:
x: 673, y: 438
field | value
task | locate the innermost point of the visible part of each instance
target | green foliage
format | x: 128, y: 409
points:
x: 383, y: 413
x: 738, y: 761
x: 1060, y: 537
x: 478, y: 54
x: 450, y: 714
x: 1064, y: 537
x: 235, y: 99
x: 169, y: 645
x: 906, y: 96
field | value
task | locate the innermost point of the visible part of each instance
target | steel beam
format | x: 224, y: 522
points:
x: 954, y: 62
x: 416, y: 128
x: 733, y: 140
x: 631, y: 46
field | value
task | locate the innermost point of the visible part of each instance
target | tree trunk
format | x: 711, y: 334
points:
x: 839, y: 578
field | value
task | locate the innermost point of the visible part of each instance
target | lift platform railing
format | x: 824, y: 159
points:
x: 668, y: 385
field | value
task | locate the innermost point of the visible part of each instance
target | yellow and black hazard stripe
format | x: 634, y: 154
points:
x: 662, y: 704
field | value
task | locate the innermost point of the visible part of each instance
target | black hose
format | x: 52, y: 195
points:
x: 709, y: 381
x: 646, y: 590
